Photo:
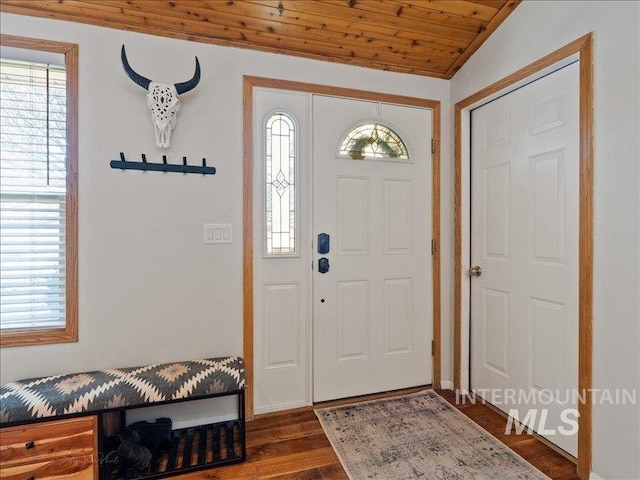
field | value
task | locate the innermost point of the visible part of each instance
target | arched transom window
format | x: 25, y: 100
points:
x: 373, y: 140
x: 280, y: 168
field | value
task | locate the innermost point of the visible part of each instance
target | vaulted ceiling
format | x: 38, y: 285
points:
x: 424, y: 37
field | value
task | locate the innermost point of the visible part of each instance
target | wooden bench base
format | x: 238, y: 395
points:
x: 64, y: 449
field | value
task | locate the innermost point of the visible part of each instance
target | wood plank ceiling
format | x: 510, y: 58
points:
x: 423, y: 37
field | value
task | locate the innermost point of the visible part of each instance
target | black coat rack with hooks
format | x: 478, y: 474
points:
x: 124, y: 164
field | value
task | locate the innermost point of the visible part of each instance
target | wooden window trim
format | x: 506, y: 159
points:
x: 70, y: 332
x: 583, y: 46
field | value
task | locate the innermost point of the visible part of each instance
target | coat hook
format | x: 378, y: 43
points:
x: 164, y: 166
x: 280, y: 9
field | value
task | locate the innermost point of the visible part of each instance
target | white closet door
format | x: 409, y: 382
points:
x: 524, y: 210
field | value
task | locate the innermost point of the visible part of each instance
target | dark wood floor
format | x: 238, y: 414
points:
x: 529, y: 447
x: 293, y: 445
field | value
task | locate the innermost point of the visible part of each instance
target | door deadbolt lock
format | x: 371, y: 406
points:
x: 324, y: 243
x: 475, y: 271
x: 323, y: 265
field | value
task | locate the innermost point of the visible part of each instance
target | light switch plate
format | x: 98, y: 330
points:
x: 217, y: 233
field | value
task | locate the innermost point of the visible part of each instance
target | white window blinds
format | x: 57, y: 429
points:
x: 32, y: 195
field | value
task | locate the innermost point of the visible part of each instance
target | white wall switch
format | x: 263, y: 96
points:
x: 218, y: 233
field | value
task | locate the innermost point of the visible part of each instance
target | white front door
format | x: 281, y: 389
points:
x: 372, y: 320
x: 524, y: 238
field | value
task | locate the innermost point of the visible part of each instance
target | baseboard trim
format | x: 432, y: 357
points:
x: 593, y: 476
x: 446, y: 385
x: 280, y: 408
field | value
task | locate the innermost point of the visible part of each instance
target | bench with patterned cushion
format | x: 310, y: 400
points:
x: 27, y: 401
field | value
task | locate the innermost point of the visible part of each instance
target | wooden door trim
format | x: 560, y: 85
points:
x: 584, y: 47
x: 249, y: 82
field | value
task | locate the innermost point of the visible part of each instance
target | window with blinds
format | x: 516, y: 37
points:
x: 33, y: 187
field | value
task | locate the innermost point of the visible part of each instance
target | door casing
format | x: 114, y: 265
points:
x: 581, y: 49
x: 249, y: 82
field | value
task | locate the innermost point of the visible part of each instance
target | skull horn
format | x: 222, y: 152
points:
x: 190, y: 84
x: 133, y: 75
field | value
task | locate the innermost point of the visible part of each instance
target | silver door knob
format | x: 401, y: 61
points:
x: 475, y: 271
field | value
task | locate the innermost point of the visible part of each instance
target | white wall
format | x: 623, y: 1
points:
x: 535, y: 29
x: 150, y: 291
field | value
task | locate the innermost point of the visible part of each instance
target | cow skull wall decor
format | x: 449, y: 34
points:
x: 163, y: 100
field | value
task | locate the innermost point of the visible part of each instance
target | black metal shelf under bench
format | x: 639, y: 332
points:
x: 124, y: 164
x: 194, y: 449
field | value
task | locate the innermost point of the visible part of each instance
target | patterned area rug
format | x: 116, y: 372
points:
x: 418, y: 436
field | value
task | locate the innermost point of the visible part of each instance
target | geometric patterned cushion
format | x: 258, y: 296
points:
x: 28, y: 400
